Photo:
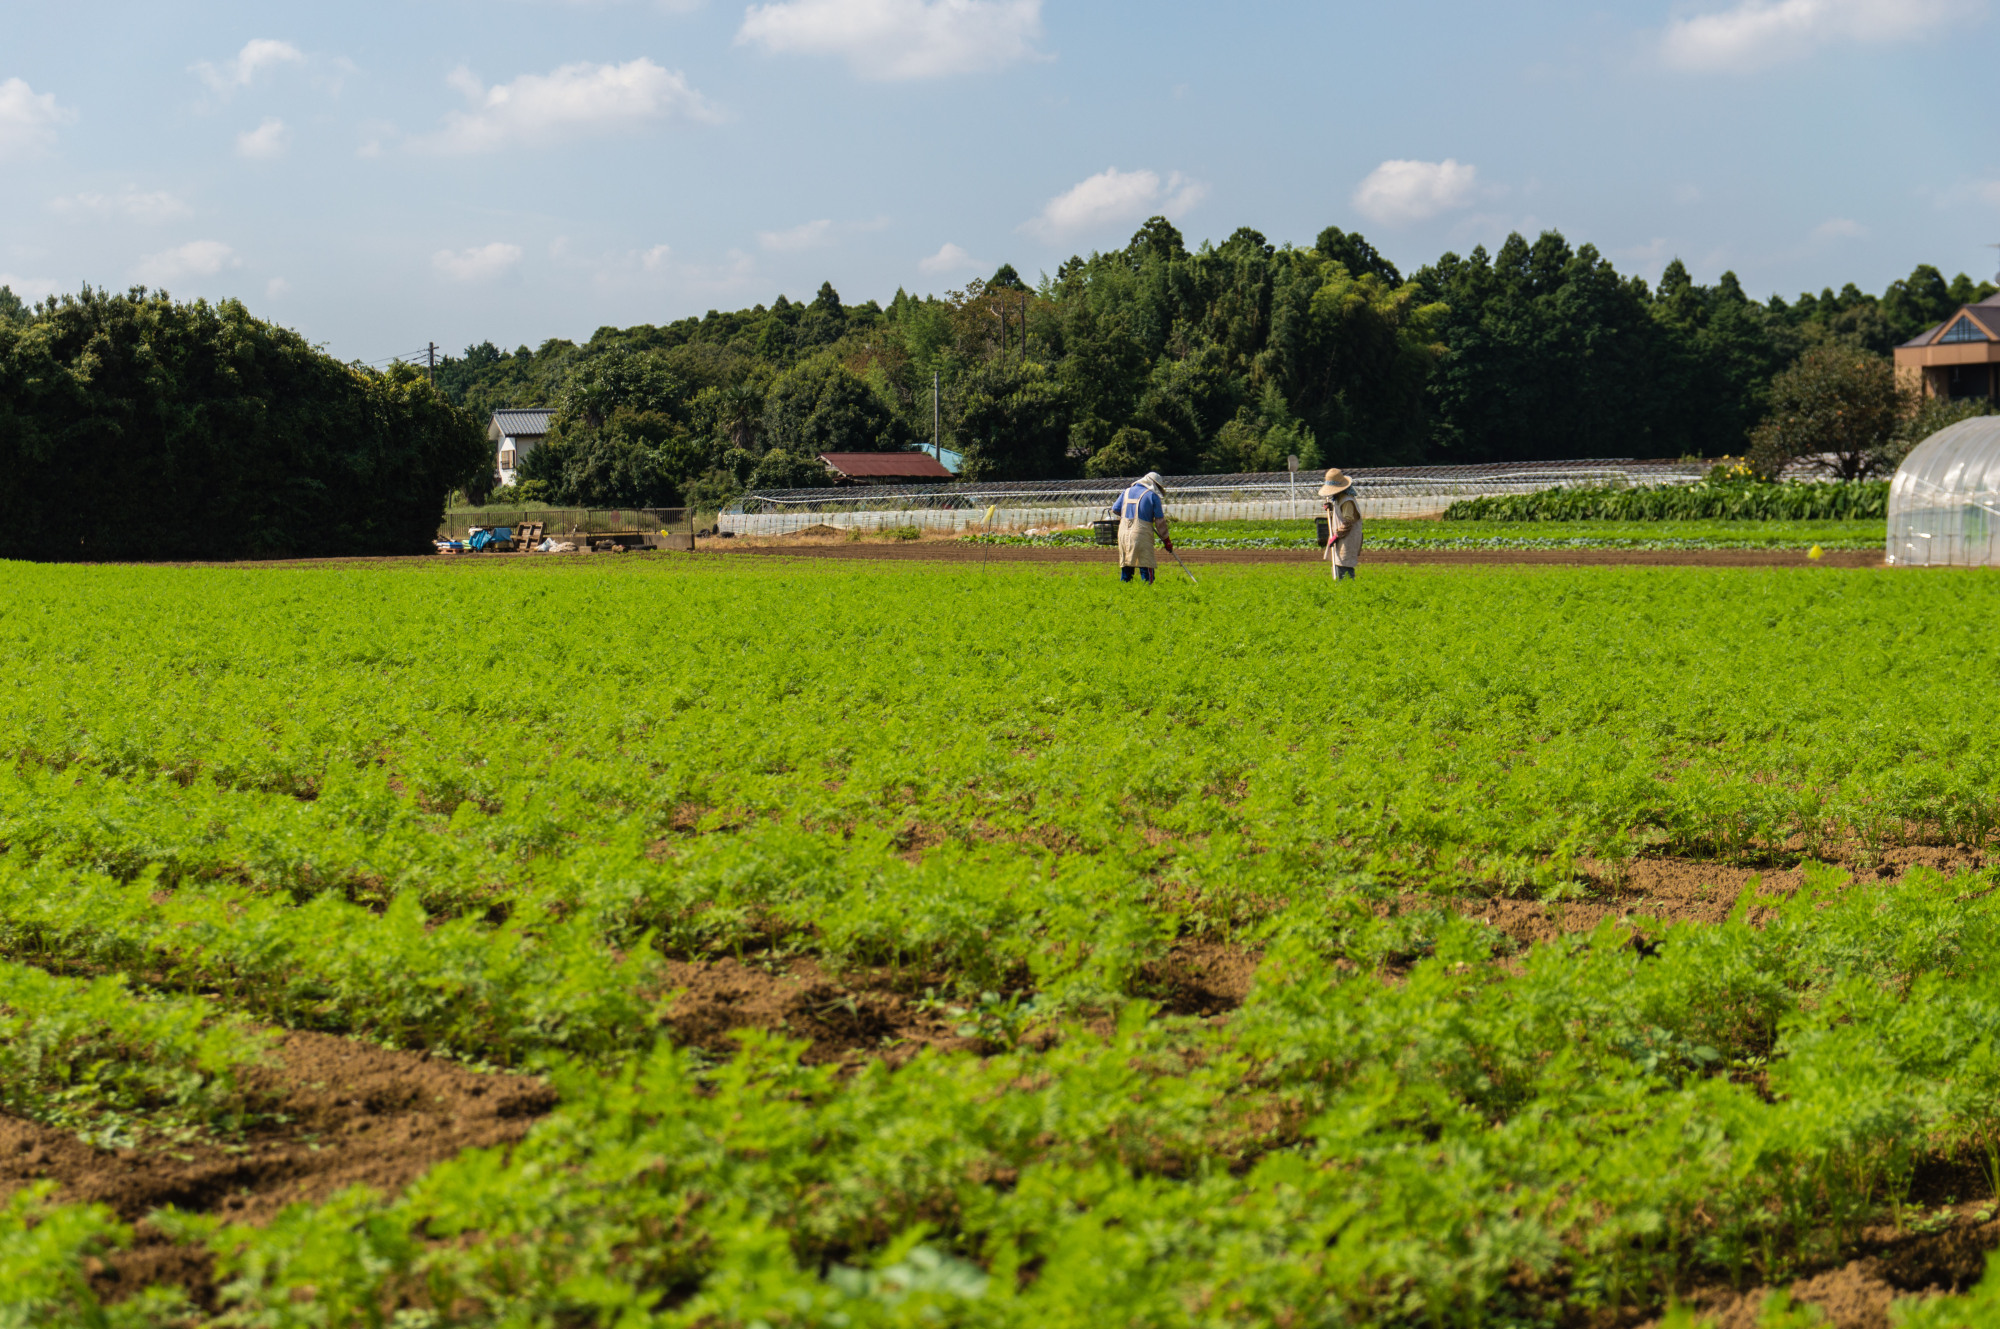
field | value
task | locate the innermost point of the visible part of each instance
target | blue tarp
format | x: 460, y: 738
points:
x: 481, y: 539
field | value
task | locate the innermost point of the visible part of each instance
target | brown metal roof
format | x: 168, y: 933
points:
x: 886, y: 465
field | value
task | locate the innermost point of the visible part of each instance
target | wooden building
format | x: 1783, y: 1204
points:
x: 1958, y: 358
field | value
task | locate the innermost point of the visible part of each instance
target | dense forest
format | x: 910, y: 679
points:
x: 1226, y: 358
x: 136, y: 427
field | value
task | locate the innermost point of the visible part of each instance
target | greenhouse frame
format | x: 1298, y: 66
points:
x: 1401, y: 491
x: 1944, y: 504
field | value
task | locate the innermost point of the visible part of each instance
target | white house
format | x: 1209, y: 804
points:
x: 515, y: 434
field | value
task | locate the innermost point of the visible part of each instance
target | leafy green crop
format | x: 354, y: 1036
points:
x: 1846, y: 500
x: 1499, y: 533
x: 91, y: 1056
x: 1463, y: 1145
x: 43, y: 1247
x: 477, y: 808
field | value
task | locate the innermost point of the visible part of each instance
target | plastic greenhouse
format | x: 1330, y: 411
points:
x: 1944, y: 504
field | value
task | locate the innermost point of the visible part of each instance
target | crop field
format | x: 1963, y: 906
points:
x: 1402, y: 533
x: 711, y: 941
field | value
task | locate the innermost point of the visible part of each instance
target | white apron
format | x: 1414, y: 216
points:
x: 1135, y: 537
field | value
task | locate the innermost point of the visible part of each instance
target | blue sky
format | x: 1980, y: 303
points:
x: 382, y: 175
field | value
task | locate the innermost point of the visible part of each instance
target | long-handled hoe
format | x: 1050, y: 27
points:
x: 1182, y: 566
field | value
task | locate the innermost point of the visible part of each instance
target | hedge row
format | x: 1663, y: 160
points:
x: 1706, y: 500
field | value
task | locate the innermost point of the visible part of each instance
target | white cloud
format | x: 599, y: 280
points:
x: 1649, y: 255
x: 950, y: 258
x: 197, y: 258
x: 576, y: 99
x: 276, y: 287
x: 1399, y: 192
x: 1753, y: 34
x: 1839, y: 228
x: 31, y: 289
x: 1112, y: 197
x: 266, y: 142
x: 257, y: 55
x: 900, y: 39
x: 481, y: 263
x: 654, y: 259
x: 151, y: 207
x: 28, y: 119
x: 810, y: 235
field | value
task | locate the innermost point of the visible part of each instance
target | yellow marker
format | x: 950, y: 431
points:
x: 989, y: 515
x: 1813, y: 553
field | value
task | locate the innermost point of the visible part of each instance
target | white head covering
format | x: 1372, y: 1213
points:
x: 1152, y: 480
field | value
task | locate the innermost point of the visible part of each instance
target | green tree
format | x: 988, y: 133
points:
x: 13, y: 309
x: 1354, y: 253
x: 135, y: 427
x: 620, y: 433
x: 1006, y: 279
x: 1013, y: 423
x: 821, y: 407
x: 1550, y: 354
x: 1836, y: 402
x: 1131, y: 452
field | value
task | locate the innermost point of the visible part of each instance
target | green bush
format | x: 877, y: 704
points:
x: 133, y: 427
x: 1844, y: 500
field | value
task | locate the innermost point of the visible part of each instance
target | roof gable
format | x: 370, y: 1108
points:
x: 899, y: 465
x: 522, y: 422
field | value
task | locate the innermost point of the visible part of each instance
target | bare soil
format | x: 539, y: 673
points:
x: 960, y: 551
x: 938, y: 547
x: 353, y: 1114
x: 1891, y: 1265
x: 859, y: 1015
x: 856, y: 1016
x: 1676, y: 890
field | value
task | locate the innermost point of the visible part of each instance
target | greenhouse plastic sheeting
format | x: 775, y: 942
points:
x: 1406, y: 491
x: 1944, y: 504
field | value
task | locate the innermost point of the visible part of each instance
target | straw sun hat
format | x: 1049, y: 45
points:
x: 1336, y: 483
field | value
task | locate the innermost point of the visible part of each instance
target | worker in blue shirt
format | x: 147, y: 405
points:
x: 1142, y: 512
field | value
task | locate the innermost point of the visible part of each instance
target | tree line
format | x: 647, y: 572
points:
x: 136, y: 427
x: 1230, y: 357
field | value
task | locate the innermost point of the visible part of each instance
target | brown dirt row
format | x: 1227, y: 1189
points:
x: 957, y: 551
x: 860, y: 1014
x: 355, y: 1114
x: 1888, y: 1266
x: 1677, y: 890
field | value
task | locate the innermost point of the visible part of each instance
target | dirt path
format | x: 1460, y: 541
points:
x: 957, y: 551
x: 953, y: 550
x: 357, y: 1114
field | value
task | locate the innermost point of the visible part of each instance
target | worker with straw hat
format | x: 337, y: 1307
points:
x: 1142, y: 513
x: 1343, y: 524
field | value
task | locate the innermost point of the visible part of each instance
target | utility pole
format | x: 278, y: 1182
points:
x: 937, y: 438
x: 431, y: 362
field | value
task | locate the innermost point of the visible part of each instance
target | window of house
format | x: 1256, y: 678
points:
x: 1963, y: 330
x: 1969, y: 381
x: 506, y: 459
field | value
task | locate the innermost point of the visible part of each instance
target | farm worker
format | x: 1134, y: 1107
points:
x: 1343, y: 524
x: 1141, y: 512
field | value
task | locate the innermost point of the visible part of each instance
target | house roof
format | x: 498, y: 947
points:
x: 1984, y: 316
x: 886, y: 465
x: 531, y: 422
